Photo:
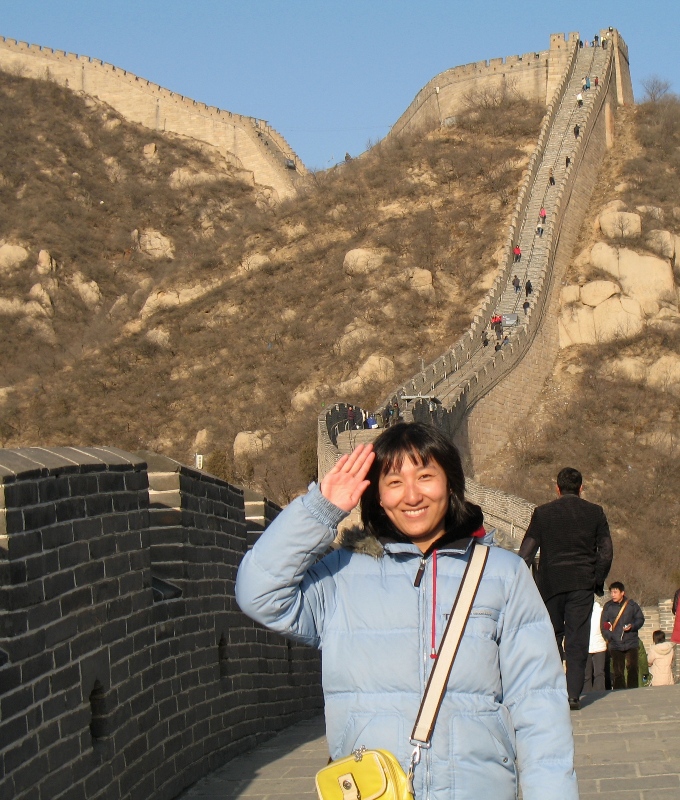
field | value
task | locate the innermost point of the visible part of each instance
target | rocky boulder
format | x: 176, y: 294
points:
x: 167, y: 299
x: 89, y: 291
x: 628, y: 367
x: 643, y: 277
x: 620, y: 225
x: 570, y: 294
x: 662, y: 243
x: 40, y: 295
x: 664, y: 374
x: 646, y: 277
x: 618, y: 318
x: 46, y: 264
x: 254, y: 262
x: 596, y: 292
x: 355, y: 335
x: 362, y: 260
x: 377, y: 368
x: 12, y: 256
x: 420, y: 280
x: 248, y: 444
x: 154, y: 244
x: 576, y: 325
x: 159, y: 336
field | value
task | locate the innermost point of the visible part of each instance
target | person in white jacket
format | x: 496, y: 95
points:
x: 597, y: 653
x: 660, y: 660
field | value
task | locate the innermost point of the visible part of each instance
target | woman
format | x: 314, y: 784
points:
x: 378, y: 606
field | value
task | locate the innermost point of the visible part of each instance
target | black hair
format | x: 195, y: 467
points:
x: 617, y: 585
x: 569, y: 481
x: 421, y: 444
x: 658, y: 637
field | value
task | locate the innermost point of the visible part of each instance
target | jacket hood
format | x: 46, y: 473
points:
x: 663, y: 648
x: 458, y: 538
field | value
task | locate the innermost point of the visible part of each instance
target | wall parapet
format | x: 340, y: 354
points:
x: 156, y: 107
x: 109, y: 687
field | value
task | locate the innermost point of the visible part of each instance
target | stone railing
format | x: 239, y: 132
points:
x: 126, y: 668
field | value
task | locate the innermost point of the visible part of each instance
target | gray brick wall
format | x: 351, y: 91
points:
x: 105, y: 693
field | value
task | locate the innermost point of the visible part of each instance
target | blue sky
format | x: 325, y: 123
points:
x: 330, y: 75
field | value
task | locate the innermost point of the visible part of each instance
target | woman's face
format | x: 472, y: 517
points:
x: 416, y: 499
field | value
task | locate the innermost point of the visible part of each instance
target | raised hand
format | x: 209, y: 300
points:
x: 346, y: 482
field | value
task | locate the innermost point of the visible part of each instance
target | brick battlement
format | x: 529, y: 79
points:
x: 251, y: 142
x: 126, y: 668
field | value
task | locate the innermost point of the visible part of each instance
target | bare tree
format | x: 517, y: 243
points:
x: 655, y: 88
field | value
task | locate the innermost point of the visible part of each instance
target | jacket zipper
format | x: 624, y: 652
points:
x: 420, y: 574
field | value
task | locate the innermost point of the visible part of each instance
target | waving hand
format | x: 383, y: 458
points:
x: 346, y: 482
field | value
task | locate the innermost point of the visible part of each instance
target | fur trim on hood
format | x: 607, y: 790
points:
x: 362, y: 540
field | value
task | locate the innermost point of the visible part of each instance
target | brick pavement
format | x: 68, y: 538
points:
x: 627, y: 748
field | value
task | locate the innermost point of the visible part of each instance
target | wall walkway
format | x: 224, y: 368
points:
x: 249, y: 142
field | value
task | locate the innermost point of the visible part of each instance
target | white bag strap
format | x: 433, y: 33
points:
x: 439, y: 677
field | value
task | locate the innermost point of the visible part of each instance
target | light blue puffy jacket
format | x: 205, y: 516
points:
x: 505, y: 710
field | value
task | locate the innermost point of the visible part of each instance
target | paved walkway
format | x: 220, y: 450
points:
x: 627, y: 748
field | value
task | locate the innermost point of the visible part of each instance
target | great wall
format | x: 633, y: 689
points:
x: 126, y: 668
x: 247, y: 142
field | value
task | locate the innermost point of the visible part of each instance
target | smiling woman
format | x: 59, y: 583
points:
x: 378, y: 607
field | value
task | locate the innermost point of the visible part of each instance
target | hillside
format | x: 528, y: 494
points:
x: 611, y: 407
x: 152, y: 297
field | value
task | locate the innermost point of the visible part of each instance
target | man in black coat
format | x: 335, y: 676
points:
x: 621, y: 620
x: 576, y: 554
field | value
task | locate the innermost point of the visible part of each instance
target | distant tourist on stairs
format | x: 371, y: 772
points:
x: 526, y: 306
x: 517, y: 284
x: 539, y: 230
x: 542, y: 214
x: 576, y: 553
x: 517, y: 250
x: 551, y: 177
x: 579, y: 99
x: 528, y: 288
x: 622, y: 618
x: 596, y: 81
x: 577, y: 130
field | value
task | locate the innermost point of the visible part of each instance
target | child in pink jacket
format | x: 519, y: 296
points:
x: 660, y: 658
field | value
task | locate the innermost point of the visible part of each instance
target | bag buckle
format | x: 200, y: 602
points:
x: 415, y: 760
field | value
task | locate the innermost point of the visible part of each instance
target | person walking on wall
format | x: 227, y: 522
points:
x: 576, y: 553
x: 526, y: 305
x: 660, y: 660
x: 542, y: 214
x: 378, y: 605
x: 579, y: 99
x: 517, y: 284
x: 587, y: 83
x: 539, y: 230
x: 675, y: 637
x: 517, y: 250
x: 577, y: 131
x: 528, y: 288
x: 597, y: 653
x: 622, y: 618
x: 551, y: 177
x: 596, y: 81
